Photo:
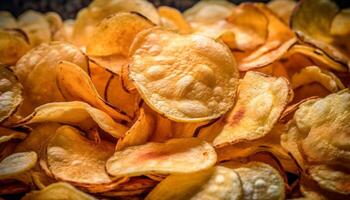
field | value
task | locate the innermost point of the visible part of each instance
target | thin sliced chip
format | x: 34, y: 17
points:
x: 58, y: 191
x: 139, y: 133
x: 182, y: 130
x: 261, y: 101
x: 16, y: 164
x: 214, y: 183
x: 261, y: 181
x: 309, y: 91
x: 172, y: 18
x: 7, y: 20
x: 163, y: 129
x: 13, y: 187
x: 282, y: 8
x: 134, y: 185
x: 8, y: 134
x: 314, y: 74
x: 198, y: 87
x: 183, y: 155
x: 41, y: 180
x: 330, y: 178
x: 114, y: 35
x: 13, y: 45
x: 341, y: 22
x: 75, y: 84
x: 73, y: 158
x: 10, y: 93
x: 56, y: 26
x: 75, y: 113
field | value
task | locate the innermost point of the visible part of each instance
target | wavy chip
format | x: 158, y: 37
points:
x: 183, y: 155
x: 58, y: 191
x: 75, y: 113
x: 16, y: 164
x: 261, y: 101
x: 214, y: 183
x: 261, y: 181
x: 198, y: 87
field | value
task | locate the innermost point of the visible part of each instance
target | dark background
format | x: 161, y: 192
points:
x: 68, y: 8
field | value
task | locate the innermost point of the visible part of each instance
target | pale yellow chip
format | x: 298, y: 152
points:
x: 13, y: 45
x: 58, y: 191
x: 75, y: 84
x: 261, y: 101
x: 7, y: 20
x: 139, y: 133
x: 261, y: 181
x: 16, y: 164
x: 75, y: 113
x: 341, y: 22
x: 183, y: 155
x: 8, y: 134
x: 73, y: 158
x: 188, y: 78
x: 214, y: 183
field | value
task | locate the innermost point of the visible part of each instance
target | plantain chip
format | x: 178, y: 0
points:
x: 139, y: 133
x: 75, y: 113
x: 261, y: 101
x: 172, y: 19
x: 312, y: 22
x: 183, y: 155
x: 37, y: 71
x: 198, y: 87
x: 10, y: 93
x: 261, y: 181
x: 8, y: 134
x: 89, y: 17
x: 282, y: 8
x: 7, y: 20
x: 16, y: 164
x: 58, y: 191
x: 75, y: 84
x: 314, y: 74
x: 75, y: 159
x: 214, y: 183
x: 13, y: 45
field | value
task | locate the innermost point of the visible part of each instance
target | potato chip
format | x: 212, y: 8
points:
x: 282, y: 8
x: 314, y: 74
x: 89, y: 17
x: 172, y: 19
x: 330, y: 178
x: 133, y: 186
x: 58, y: 191
x: 7, y: 20
x: 10, y: 93
x: 37, y: 71
x: 183, y: 155
x: 114, y: 35
x: 13, y: 187
x: 261, y: 181
x: 309, y: 91
x: 139, y: 133
x: 182, y: 130
x: 214, y: 183
x: 312, y: 22
x: 75, y: 84
x: 16, y: 164
x: 197, y: 87
x: 260, y: 103
x: 13, y: 45
x: 8, y: 134
x: 163, y: 130
x: 340, y: 23
x: 75, y: 113
x: 73, y: 158
x: 56, y: 27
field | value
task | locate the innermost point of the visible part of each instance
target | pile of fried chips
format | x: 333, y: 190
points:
x: 222, y: 102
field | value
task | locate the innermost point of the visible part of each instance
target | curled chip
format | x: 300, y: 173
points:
x: 89, y: 17
x: 58, y: 191
x: 214, y: 183
x: 314, y: 74
x: 261, y: 181
x: 13, y: 45
x: 7, y: 20
x: 16, y: 164
x: 8, y: 134
x: 261, y: 101
x: 73, y: 158
x: 282, y: 8
x: 188, y: 78
x: 114, y: 35
x: 173, y: 19
x: 10, y: 93
x: 183, y: 155
x: 75, y: 113
x: 75, y: 84
x: 37, y: 71
x: 312, y: 22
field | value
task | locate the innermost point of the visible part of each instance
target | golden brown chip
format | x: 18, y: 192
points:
x: 183, y: 155
x: 13, y: 45
x: 16, y: 164
x: 7, y: 20
x: 8, y: 134
x: 260, y: 103
x: 282, y: 8
x: 188, y: 78
x: 341, y: 22
x: 172, y: 19
x: 214, y: 183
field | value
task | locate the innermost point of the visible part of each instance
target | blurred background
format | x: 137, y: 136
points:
x: 69, y: 8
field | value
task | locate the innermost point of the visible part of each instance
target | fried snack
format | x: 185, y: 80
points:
x: 282, y: 8
x: 8, y: 134
x: 16, y: 164
x: 173, y: 19
x: 198, y: 87
x: 13, y: 45
x: 261, y: 100
x: 183, y: 155
x: 214, y: 183
x: 7, y: 20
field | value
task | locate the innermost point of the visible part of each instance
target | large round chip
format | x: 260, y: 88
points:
x: 17, y: 163
x: 187, y: 78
